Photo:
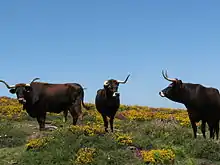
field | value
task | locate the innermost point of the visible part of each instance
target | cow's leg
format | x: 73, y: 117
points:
x: 76, y: 111
x: 74, y: 115
x: 65, y: 113
x: 211, y: 130
x: 193, y: 119
x: 111, y: 122
x: 41, y: 121
x: 194, y: 127
x: 217, y: 129
x: 203, y: 128
x: 104, y: 117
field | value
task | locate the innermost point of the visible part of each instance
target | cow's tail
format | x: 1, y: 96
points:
x: 82, y: 99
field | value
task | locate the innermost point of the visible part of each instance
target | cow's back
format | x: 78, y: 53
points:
x: 56, y: 97
x: 208, y: 97
x: 204, y: 103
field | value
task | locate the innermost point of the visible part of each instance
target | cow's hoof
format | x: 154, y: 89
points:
x: 42, y: 129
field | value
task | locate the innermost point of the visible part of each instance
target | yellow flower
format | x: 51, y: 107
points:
x: 85, y: 155
x: 160, y: 113
x: 158, y: 156
x: 10, y: 109
x: 89, y: 130
x: 123, y: 139
x: 38, y: 143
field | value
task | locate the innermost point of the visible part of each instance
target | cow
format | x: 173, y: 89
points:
x: 107, y: 100
x: 202, y: 103
x: 38, y: 98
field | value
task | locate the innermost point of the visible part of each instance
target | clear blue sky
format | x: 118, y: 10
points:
x: 90, y: 41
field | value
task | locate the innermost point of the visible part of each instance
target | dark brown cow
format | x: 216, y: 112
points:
x: 107, y: 101
x: 202, y: 103
x: 39, y: 98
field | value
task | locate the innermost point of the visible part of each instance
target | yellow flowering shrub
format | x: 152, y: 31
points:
x: 98, y: 121
x: 54, y: 114
x: 123, y: 139
x: 11, y: 109
x: 38, y: 143
x: 85, y: 155
x: 97, y: 116
x: 183, y: 119
x: 180, y: 116
x: 90, y: 106
x: 89, y: 130
x: 158, y: 156
x: 137, y: 114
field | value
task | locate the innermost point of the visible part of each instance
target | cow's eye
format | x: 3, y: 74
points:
x: 27, y: 88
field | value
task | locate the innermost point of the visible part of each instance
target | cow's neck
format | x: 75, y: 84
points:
x: 184, y: 96
x: 109, y: 94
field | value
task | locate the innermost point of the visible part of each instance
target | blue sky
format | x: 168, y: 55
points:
x: 90, y: 41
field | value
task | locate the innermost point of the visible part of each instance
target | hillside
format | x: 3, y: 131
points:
x: 143, y: 135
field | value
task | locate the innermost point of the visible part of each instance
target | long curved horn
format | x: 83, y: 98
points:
x: 123, y: 82
x: 33, y: 81
x: 166, y: 77
x: 8, y: 86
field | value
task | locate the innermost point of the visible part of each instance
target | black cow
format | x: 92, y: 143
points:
x: 202, y: 103
x: 39, y: 98
x: 107, y: 101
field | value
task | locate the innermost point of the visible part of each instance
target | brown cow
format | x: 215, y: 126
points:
x: 39, y: 98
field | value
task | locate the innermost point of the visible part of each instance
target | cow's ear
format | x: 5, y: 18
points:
x: 179, y: 82
x: 12, y: 91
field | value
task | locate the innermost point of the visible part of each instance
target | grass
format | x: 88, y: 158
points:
x: 142, y: 135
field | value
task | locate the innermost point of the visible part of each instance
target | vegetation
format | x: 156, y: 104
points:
x: 143, y: 135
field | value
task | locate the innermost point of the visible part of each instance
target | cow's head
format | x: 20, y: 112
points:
x: 112, y: 86
x: 174, y: 90
x: 21, y: 90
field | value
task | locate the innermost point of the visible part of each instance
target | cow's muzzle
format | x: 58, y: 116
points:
x: 115, y: 94
x: 161, y: 94
x: 22, y: 100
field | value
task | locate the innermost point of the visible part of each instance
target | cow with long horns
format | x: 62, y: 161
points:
x: 107, y: 101
x: 38, y: 98
x: 202, y: 103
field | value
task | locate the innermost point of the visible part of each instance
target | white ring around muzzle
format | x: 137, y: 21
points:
x: 161, y: 94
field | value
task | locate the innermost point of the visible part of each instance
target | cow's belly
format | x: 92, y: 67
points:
x: 107, y: 110
x: 57, y: 107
